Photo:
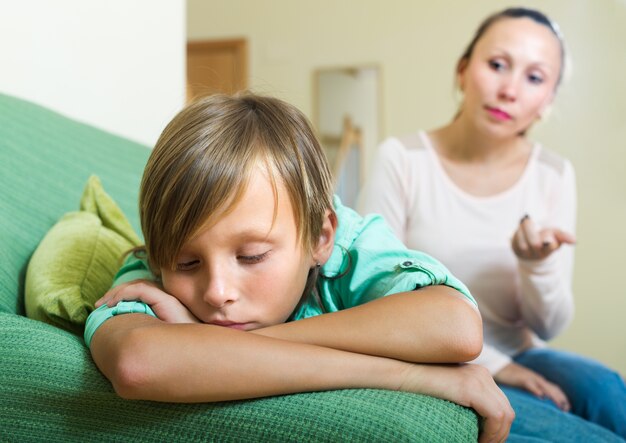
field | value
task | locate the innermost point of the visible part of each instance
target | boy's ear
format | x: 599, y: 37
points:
x: 326, y: 241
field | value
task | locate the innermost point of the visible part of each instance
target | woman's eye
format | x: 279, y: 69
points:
x: 496, y: 65
x: 186, y: 266
x: 252, y: 259
x: 535, y: 79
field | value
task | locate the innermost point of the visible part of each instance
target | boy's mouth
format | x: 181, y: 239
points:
x: 230, y: 324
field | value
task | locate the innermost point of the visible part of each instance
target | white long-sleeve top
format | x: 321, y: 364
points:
x: 522, y: 302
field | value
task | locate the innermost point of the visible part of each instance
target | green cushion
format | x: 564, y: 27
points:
x: 75, y: 263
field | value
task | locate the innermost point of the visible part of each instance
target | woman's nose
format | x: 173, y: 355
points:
x: 508, y: 89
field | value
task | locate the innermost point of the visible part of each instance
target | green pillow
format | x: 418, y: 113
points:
x: 76, y: 261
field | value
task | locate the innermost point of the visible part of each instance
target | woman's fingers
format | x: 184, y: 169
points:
x: 531, y: 234
x: 520, y: 246
x: 530, y: 243
x: 559, y: 397
x: 563, y: 237
x: 545, y: 389
x: 522, y: 377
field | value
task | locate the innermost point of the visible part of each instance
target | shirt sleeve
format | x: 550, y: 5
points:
x: 546, y: 302
x: 385, y: 191
x: 103, y: 313
x: 377, y: 264
x: 134, y: 268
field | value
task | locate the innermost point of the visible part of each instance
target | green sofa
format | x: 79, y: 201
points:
x: 50, y: 390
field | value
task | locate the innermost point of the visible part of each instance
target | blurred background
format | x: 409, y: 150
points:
x: 362, y: 70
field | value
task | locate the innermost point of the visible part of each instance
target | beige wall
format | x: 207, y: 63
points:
x: 416, y: 44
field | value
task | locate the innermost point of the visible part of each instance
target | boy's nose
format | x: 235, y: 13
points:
x: 218, y: 293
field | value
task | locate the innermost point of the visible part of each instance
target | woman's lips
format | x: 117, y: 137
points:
x: 498, y: 114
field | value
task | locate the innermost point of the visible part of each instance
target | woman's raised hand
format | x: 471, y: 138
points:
x: 166, y: 307
x: 530, y: 243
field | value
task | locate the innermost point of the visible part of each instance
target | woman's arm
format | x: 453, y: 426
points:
x: 547, y: 302
x: 546, y: 266
x: 435, y: 324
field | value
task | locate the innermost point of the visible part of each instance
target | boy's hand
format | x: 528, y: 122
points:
x: 166, y: 307
x: 521, y: 377
x: 529, y: 243
x: 467, y: 385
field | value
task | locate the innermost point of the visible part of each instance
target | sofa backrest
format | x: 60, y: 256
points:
x: 45, y: 160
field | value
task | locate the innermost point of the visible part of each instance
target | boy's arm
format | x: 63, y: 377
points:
x: 435, y: 324
x: 146, y: 358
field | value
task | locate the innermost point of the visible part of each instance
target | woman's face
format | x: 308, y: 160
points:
x: 248, y: 269
x: 511, y: 76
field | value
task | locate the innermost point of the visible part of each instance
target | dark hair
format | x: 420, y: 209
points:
x: 532, y: 14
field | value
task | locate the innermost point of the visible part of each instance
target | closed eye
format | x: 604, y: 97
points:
x: 187, y: 266
x: 253, y: 259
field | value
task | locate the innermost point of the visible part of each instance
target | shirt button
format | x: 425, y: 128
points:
x: 407, y: 263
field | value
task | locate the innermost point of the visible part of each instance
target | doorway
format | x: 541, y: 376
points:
x: 216, y: 66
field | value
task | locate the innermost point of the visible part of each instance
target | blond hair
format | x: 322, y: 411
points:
x: 203, y: 161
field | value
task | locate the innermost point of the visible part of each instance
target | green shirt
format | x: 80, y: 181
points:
x: 367, y: 262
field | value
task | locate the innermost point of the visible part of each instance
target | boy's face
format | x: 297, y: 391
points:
x: 248, y: 270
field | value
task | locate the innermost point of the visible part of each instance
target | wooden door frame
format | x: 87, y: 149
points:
x: 239, y: 45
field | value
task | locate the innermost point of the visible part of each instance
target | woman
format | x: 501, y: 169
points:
x: 499, y: 211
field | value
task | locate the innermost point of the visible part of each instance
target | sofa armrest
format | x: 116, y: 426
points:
x: 51, y: 390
